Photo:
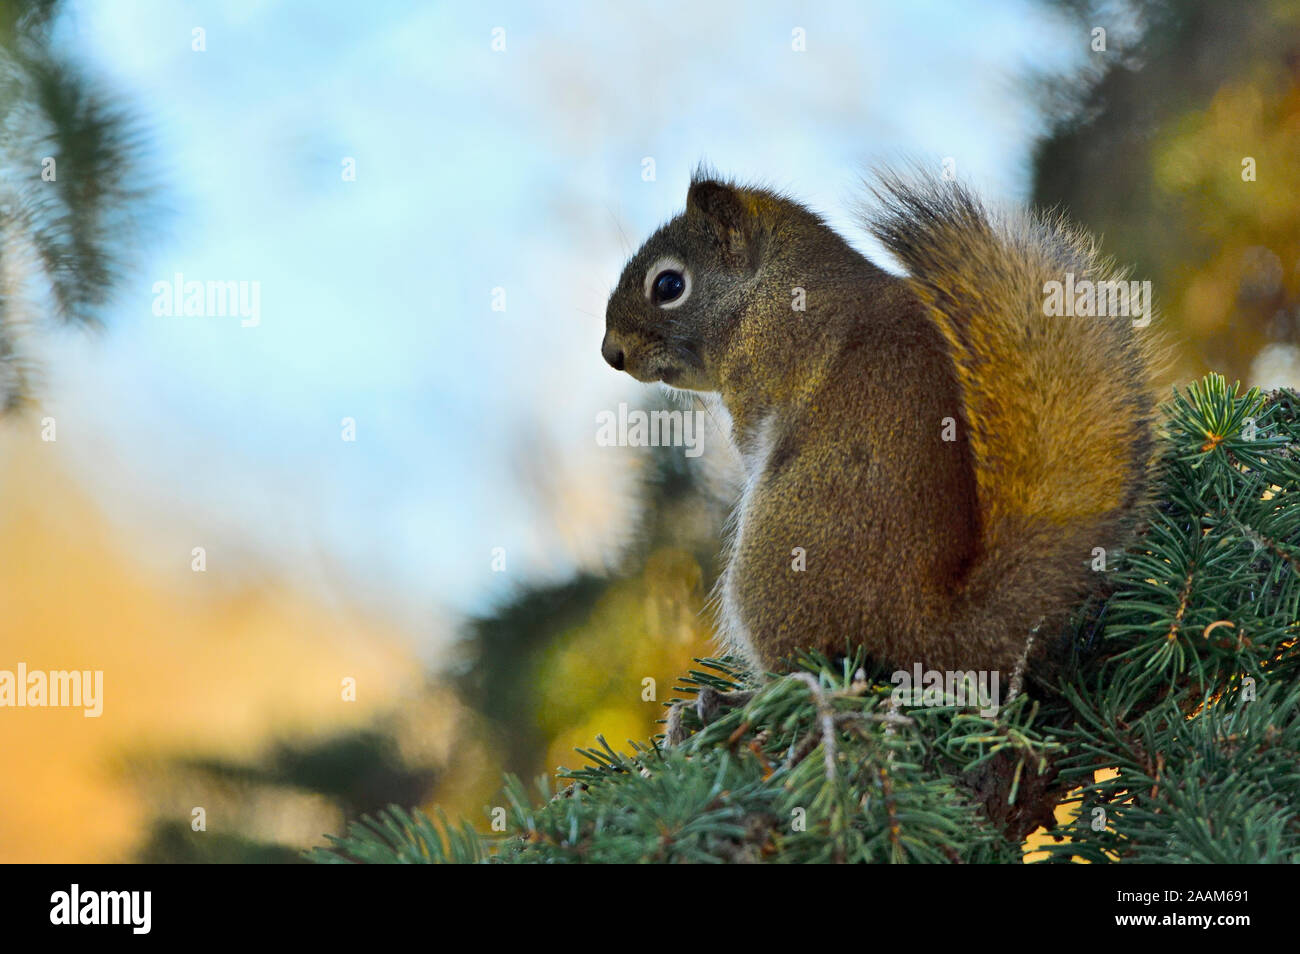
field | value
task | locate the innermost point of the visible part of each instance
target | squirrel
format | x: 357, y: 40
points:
x: 945, y: 454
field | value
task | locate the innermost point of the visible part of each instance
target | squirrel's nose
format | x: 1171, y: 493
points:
x: 612, y: 353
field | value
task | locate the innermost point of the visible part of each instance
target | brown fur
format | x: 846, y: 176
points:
x: 946, y: 553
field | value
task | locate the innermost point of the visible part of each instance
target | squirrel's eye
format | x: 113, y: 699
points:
x: 668, y: 286
x: 667, y: 282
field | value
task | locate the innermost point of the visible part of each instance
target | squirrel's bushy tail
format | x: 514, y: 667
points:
x: 1058, y: 408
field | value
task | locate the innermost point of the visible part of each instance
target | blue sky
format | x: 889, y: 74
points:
x: 475, y: 169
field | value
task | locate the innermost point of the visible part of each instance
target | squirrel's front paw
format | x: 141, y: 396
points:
x: 710, y: 705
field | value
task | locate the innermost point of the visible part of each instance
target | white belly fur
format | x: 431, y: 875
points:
x: 733, y: 631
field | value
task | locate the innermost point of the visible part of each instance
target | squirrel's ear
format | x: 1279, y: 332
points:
x: 721, y: 208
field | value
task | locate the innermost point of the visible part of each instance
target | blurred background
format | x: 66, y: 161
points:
x: 366, y: 548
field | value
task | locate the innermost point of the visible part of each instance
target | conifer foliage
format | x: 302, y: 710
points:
x: 1172, y: 734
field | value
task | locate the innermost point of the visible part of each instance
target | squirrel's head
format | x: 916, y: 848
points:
x: 682, y: 294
